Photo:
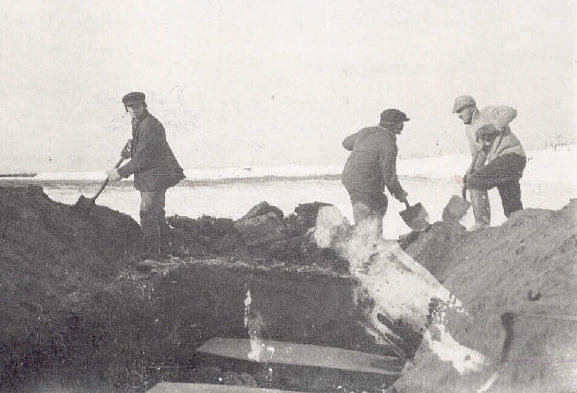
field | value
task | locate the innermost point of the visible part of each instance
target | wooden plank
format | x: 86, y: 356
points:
x: 169, y: 387
x: 269, y: 351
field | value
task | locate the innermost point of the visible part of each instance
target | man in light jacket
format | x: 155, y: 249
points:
x: 372, y: 166
x: 155, y: 170
x: 500, y: 116
x: 503, y: 168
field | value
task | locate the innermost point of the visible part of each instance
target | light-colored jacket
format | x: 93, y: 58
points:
x: 500, y: 116
x: 505, y: 142
x: 372, y: 163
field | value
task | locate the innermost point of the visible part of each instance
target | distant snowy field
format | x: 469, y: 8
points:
x: 549, y: 182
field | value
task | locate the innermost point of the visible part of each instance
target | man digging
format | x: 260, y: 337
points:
x: 503, y: 168
x: 155, y: 170
x: 474, y: 118
x: 372, y: 166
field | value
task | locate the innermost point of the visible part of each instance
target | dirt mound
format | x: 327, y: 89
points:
x: 430, y: 247
x: 204, y: 236
x: 47, y: 250
x: 518, y: 284
x: 263, y: 233
x: 47, y: 253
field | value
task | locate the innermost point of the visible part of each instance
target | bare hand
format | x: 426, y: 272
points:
x: 403, y: 197
x: 113, y: 175
x: 126, y: 152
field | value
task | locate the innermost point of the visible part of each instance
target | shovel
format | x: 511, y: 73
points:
x: 456, y: 209
x: 415, y: 217
x: 458, y: 206
x: 83, y: 205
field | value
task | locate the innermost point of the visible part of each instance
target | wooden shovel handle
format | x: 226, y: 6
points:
x: 119, y: 162
x: 106, y: 181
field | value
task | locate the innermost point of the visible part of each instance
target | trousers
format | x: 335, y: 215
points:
x: 366, y: 209
x: 504, y: 173
x: 156, y: 234
x: 480, y: 198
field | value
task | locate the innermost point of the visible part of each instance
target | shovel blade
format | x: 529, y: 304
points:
x: 416, y: 217
x: 455, y: 209
x: 83, y: 206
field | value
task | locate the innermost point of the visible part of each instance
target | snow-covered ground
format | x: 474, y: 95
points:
x: 543, y: 166
x: 549, y: 182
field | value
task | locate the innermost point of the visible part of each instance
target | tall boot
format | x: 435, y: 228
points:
x: 166, y: 240
x: 481, y: 207
x: 150, y: 235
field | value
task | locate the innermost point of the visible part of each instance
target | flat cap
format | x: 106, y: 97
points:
x: 463, y: 102
x: 134, y: 96
x: 392, y: 115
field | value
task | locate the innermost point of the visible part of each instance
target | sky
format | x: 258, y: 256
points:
x: 253, y: 83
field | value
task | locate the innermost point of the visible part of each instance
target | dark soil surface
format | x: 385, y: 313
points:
x: 518, y: 283
x: 80, y: 310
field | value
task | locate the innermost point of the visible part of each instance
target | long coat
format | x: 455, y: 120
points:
x: 372, y: 165
x: 152, y: 161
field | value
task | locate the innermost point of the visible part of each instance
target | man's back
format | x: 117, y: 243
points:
x: 363, y: 170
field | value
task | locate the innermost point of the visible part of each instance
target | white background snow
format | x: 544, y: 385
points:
x: 549, y: 182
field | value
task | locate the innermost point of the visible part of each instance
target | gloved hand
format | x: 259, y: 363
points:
x: 113, y: 175
x: 486, y: 133
x: 126, y: 152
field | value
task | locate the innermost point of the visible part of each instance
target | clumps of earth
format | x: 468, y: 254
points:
x: 77, y: 303
x: 263, y: 233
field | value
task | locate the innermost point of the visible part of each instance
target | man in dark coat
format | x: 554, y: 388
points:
x: 155, y: 170
x: 372, y: 166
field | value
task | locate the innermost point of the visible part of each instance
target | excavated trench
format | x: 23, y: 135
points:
x: 82, y: 313
x: 144, y: 329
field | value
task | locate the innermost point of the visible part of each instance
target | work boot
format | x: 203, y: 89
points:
x: 481, y: 207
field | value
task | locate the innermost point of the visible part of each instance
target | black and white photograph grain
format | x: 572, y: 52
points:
x: 288, y: 196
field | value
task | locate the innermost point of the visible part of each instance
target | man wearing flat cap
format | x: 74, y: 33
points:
x: 498, y: 157
x: 371, y: 167
x: 155, y: 169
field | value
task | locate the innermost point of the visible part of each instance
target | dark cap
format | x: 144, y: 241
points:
x: 135, y: 96
x: 393, y: 115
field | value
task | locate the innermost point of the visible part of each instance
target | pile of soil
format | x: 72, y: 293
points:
x: 518, y: 284
x: 48, y: 254
x: 264, y: 234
